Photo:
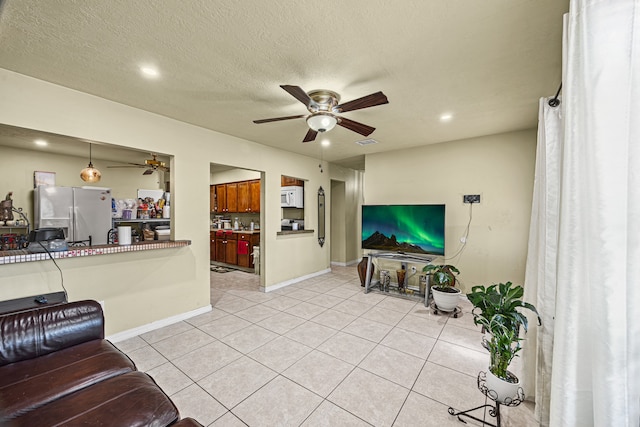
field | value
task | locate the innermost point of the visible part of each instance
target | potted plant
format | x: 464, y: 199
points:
x: 495, y: 308
x: 502, y: 298
x: 443, y: 282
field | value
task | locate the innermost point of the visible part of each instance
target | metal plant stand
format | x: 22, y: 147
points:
x: 493, y: 410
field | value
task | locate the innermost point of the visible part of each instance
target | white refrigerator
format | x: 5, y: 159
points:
x: 84, y: 213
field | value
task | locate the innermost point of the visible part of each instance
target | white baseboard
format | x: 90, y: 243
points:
x: 130, y: 333
x: 296, y: 280
x: 345, y: 264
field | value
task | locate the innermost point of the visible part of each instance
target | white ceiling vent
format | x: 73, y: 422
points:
x: 367, y: 141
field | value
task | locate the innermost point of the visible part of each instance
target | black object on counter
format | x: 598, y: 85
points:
x: 46, y: 234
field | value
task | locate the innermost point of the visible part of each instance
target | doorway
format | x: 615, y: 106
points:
x: 236, y: 196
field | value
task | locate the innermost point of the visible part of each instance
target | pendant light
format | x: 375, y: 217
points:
x: 90, y: 174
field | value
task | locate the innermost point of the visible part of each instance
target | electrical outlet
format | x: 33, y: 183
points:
x: 413, y: 269
x: 471, y: 198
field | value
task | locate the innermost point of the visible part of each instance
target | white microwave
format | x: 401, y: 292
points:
x: 292, y: 197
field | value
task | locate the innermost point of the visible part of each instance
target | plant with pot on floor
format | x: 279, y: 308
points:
x: 443, y: 282
x: 496, y: 309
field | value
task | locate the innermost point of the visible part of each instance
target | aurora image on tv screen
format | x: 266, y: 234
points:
x: 404, y: 228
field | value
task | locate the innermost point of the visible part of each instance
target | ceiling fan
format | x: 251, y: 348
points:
x: 151, y: 165
x: 324, y: 107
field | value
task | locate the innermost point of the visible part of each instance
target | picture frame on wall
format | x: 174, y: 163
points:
x: 43, y: 178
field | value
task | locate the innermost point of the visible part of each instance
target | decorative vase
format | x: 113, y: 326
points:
x: 401, y: 275
x: 362, y: 270
x: 503, y: 391
x: 445, y: 300
x: 385, y: 280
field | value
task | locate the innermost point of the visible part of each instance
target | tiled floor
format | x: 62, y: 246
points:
x: 318, y: 353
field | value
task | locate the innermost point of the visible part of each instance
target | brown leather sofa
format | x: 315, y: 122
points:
x: 57, y: 369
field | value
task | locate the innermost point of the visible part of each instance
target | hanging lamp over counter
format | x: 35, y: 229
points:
x: 90, y: 174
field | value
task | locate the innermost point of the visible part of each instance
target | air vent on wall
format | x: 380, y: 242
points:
x: 368, y: 141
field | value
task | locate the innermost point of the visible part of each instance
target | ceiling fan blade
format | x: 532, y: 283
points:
x: 133, y: 166
x: 310, y: 136
x: 277, y: 119
x: 360, y: 128
x: 298, y: 93
x: 372, y: 100
x: 147, y: 172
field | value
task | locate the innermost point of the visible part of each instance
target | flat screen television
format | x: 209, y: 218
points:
x: 417, y: 229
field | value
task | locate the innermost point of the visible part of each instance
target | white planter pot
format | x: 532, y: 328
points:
x: 446, y: 301
x: 505, y: 392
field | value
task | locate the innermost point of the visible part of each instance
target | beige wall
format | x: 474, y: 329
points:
x: 17, y: 167
x: 346, y: 241
x: 233, y: 175
x: 337, y: 215
x: 184, y: 284
x: 499, y: 167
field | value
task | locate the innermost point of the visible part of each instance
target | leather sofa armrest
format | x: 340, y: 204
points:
x: 186, y: 422
x: 32, y: 333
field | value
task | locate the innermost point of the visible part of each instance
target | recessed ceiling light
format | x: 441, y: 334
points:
x: 41, y: 142
x: 326, y: 143
x: 446, y: 117
x: 150, y: 72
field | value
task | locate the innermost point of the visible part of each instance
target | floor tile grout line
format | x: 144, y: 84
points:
x: 348, y: 294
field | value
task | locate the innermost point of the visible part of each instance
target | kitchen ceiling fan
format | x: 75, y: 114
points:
x: 324, y: 106
x: 151, y: 165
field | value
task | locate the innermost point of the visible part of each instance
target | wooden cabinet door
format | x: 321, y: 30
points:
x: 212, y: 246
x: 221, y: 198
x: 288, y: 181
x: 254, y: 196
x: 244, y: 258
x: 232, y: 197
x: 231, y: 252
x: 243, y: 196
x: 220, y: 250
x: 212, y: 199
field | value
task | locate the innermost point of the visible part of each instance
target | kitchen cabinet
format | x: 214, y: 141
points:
x: 232, y: 197
x: 246, y: 242
x: 212, y: 245
x: 243, y: 196
x: 221, y: 198
x: 249, y: 196
x: 226, y: 248
x: 288, y: 181
x: 254, y: 195
x: 235, y: 248
x: 235, y: 197
x: 213, y: 205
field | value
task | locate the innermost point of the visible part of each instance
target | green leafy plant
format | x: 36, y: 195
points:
x: 495, y: 308
x: 503, y: 299
x: 503, y: 346
x: 442, y: 275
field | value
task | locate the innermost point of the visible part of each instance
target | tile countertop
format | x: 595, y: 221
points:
x: 24, y: 255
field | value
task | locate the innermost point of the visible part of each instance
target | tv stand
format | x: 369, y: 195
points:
x: 403, y: 258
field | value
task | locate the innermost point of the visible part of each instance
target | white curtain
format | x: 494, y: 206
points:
x: 540, y: 278
x: 596, y: 377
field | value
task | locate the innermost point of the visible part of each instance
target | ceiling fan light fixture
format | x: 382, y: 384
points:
x: 321, y: 121
x: 90, y: 174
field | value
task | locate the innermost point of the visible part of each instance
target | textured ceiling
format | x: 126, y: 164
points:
x: 221, y: 62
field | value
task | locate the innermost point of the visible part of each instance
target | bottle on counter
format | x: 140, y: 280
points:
x: 251, y: 226
x: 236, y: 226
